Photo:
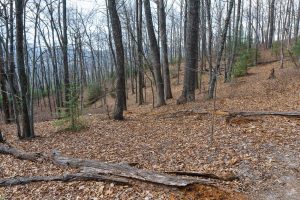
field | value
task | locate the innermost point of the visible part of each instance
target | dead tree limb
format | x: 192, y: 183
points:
x: 126, y: 171
x: 93, y: 169
x: 231, y: 115
x: 204, y: 175
x: 22, y: 155
x: 82, y: 176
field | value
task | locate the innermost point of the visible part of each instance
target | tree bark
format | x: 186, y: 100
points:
x: 191, y: 61
x: 272, y: 23
x: 213, y: 80
x: 81, y: 176
x: 117, y: 35
x: 262, y: 113
x: 27, y: 131
x: 4, y: 93
x: 164, y: 46
x: 155, y: 55
x: 65, y: 54
x: 297, y: 23
x: 236, y: 39
x: 139, y: 21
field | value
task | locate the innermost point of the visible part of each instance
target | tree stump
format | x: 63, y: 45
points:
x: 272, y: 74
x: 2, y: 139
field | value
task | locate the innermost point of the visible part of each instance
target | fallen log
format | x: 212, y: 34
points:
x: 204, y: 175
x: 231, y: 115
x: 182, y: 113
x: 97, y: 168
x: 22, y: 155
x: 126, y: 171
x: 82, y: 176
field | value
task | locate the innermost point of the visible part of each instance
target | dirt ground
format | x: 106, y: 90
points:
x: 264, y: 152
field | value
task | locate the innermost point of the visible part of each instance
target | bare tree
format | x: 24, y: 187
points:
x: 117, y: 35
x: 164, y: 46
x: 28, y: 130
x: 155, y: 55
x: 272, y: 23
x: 191, y: 60
x: 65, y: 52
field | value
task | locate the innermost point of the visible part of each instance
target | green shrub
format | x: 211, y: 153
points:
x: 296, y: 48
x: 245, y: 59
x: 70, y: 114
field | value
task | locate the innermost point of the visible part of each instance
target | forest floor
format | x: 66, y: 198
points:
x: 262, y: 151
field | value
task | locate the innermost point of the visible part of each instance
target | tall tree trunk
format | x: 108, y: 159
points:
x: 65, y: 53
x: 117, y: 35
x: 164, y: 46
x: 180, y: 42
x: 236, y: 39
x: 272, y: 24
x: 213, y: 81
x: 250, y: 25
x: 4, y: 93
x: 297, y: 23
x: 210, y: 37
x: 155, y: 55
x: 28, y: 131
x: 11, y: 73
x: 191, y: 61
x: 139, y: 21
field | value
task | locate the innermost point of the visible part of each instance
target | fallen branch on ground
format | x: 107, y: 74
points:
x: 97, y: 169
x: 182, y: 113
x: 22, y: 155
x: 126, y: 171
x: 204, y: 175
x: 82, y: 176
x: 231, y: 115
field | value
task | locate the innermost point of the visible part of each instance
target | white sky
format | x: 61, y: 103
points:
x: 86, y: 4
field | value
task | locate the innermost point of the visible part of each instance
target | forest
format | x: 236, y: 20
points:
x: 150, y: 99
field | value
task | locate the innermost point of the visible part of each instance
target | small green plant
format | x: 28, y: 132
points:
x: 296, y: 49
x: 70, y: 114
x: 246, y: 59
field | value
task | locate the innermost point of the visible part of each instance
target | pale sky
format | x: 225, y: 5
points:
x: 87, y: 4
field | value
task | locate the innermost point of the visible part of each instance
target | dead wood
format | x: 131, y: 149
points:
x: 231, y: 115
x: 204, y: 175
x: 182, y: 113
x: 82, y: 176
x: 93, y: 169
x: 126, y: 171
x: 2, y: 139
x: 272, y: 74
x: 268, y: 62
x: 22, y: 155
